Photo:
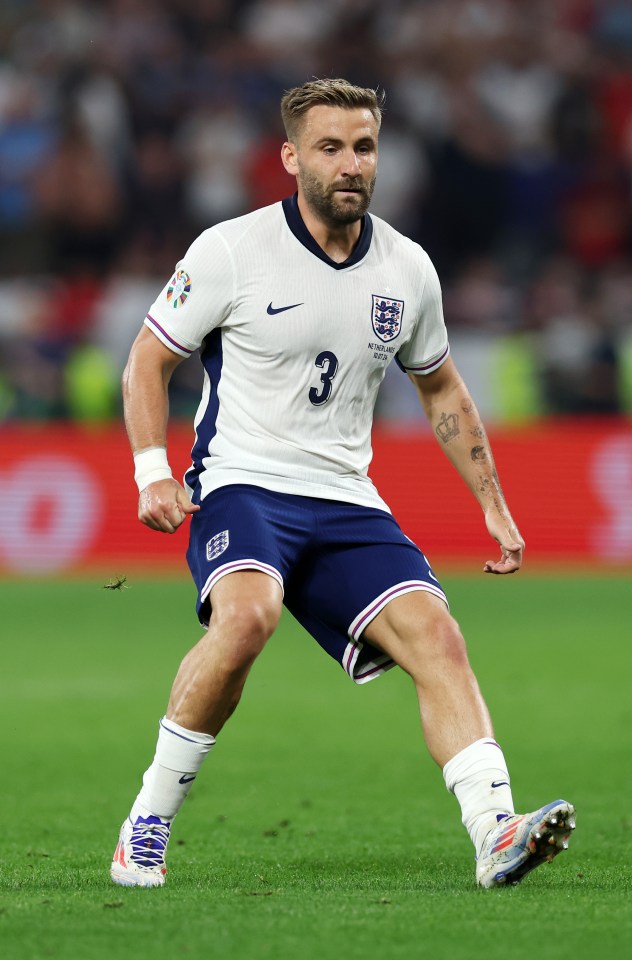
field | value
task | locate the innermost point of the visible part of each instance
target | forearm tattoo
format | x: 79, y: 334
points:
x: 484, y: 481
x: 490, y: 486
x: 448, y: 427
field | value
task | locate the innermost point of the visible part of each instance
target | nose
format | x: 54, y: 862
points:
x: 350, y: 164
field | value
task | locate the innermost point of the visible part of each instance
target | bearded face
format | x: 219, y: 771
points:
x: 334, y: 158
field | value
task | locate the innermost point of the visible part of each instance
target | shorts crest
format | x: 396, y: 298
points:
x: 386, y: 317
x: 217, y: 545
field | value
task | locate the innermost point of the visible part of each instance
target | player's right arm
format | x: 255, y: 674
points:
x: 163, y: 503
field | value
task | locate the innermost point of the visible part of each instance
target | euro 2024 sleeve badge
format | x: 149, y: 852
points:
x: 179, y: 289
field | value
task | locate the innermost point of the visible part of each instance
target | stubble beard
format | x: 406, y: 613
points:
x: 332, y: 211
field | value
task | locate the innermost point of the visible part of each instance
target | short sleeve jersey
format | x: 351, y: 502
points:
x: 294, y: 348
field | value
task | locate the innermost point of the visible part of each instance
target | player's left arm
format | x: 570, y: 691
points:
x: 461, y: 434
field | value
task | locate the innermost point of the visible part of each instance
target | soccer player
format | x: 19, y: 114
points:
x: 297, y: 309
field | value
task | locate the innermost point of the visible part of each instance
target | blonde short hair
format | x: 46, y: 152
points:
x: 333, y: 93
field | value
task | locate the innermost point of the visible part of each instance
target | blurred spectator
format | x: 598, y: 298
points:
x: 27, y: 140
x: 80, y: 205
x: 155, y: 191
x: 464, y: 210
x: 595, y: 225
x: 481, y: 299
x: 215, y: 141
x: 264, y: 175
x: 577, y: 342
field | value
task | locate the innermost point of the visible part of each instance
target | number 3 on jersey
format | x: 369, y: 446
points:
x: 329, y: 363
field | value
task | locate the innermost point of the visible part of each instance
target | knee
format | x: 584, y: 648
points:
x: 439, y: 650
x: 243, y: 628
x: 449, y: 644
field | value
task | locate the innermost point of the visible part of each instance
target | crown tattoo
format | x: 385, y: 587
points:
x: 448, y: 427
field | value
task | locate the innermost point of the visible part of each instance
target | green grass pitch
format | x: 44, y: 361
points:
x: 319, y: 827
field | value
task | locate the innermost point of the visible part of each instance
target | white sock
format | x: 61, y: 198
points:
x: 478, y: 777
x: 179, y: 756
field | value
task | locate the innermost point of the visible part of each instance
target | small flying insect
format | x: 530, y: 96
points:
x: 116, y: 583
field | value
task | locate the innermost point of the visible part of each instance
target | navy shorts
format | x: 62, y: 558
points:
x: 338, y: 564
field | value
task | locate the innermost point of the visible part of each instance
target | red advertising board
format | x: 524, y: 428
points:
x: 68, y: 498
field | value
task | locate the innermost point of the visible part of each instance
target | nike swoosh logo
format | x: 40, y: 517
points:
x: 273, y: 310
x: 500, y: 783
x: 185, y: 779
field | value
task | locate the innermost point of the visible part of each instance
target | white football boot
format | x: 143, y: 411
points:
x: 139, y: 858
x: 519, y: 844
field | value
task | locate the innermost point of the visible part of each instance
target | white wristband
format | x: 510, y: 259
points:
x: 151, y: 465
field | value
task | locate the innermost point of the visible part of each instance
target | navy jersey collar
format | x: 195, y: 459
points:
x: 297, y: 225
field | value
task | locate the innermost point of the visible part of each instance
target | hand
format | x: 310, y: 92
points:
x: 505, y: 532
x: 164, y: 505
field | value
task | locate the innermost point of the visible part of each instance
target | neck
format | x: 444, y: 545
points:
x: 338, y: 240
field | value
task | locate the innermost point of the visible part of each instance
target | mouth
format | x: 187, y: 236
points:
x: 348, y: 191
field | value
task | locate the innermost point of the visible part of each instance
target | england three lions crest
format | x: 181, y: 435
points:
x: 386, y: 317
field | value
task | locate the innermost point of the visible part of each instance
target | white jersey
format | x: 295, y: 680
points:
x: 294, y: 348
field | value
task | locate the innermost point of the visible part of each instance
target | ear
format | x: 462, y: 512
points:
x: 289, y: 158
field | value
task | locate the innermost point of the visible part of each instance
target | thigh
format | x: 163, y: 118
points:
x: 415, y: 629
x: 363, y: 562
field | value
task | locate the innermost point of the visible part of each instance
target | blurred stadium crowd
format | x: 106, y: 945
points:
x: 128, y: 126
